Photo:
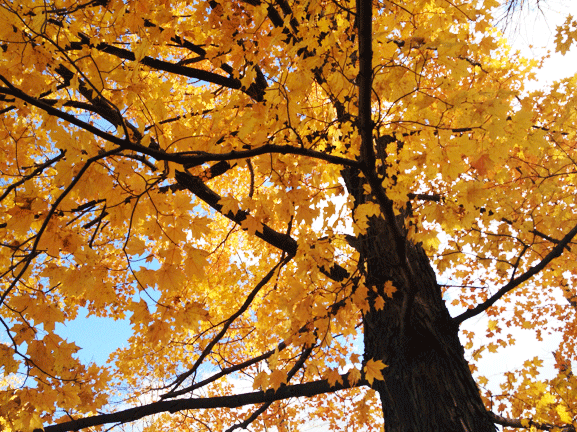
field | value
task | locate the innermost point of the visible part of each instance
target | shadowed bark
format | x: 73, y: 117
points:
x: 428, y: 385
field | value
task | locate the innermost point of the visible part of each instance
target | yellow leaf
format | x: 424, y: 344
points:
x: 251, y: 225
x: 492, y: 325
x: 229, y: 206
x: 38, y: 22
x: 141, y: 50
x: 389, y: 289
x: 564, y: 414
x: 333, y: 377
x: 354, y: 376
x: 195, y: 262
x: 140, y: 313
x: 483, y: 164
x: 373, y: 370
x: 7, y: 361
x: 379, y: 303
x: 277, y: 378
x: 260, y: 381
x: 159, y: 332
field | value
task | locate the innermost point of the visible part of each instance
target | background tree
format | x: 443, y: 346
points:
x: 259, y: 187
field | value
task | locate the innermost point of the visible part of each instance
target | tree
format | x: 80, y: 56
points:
x: 259, y: 187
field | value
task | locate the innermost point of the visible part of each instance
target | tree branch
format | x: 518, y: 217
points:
x: 283, y: 242
x: 234, y: 401
x: 368, y: 158
x: 202, y: 157
x: 526, y: 424
x: 425, y: 197
x: 192, y: 159
x: 226, y: 371
x: 555, y: 252
x: 53, y: 208
x: 38, y: 170
x: 255, y: 90
x: 184, y: 158
x: 162, y: 65
x: 194, y: 184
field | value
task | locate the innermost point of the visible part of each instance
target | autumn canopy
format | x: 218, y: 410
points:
x: 283, y: 198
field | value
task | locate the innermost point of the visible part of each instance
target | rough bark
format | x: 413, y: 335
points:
x: 428, y: 385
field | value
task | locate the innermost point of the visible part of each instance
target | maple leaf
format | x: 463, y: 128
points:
x: 260, y: 381
x: 333, y: 377
x: 251, y: 225
x: 229, y: 205
x: 483, y: 164
x: 354, y: 376
x: 389, y: 289
x: 141, y: 50
x: 140, y: 312
x: 277, y: 378
x: 373, y: 370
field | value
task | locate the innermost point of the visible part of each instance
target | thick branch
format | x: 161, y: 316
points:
x: 98, y: 103
x: 555, y: 252
x: 425, y: 197
x: 255, y: 90
x: 194, y: 184
x: 201, y: 157
x: 365, y: 79
x: 368, y: 157
x: 162, y: 65
x: 235, y: 401
x: 283, y: 242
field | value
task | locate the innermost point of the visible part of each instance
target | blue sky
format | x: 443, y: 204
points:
x: 98, y: 337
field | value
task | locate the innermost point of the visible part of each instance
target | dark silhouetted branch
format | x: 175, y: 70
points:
x: 234, y: 401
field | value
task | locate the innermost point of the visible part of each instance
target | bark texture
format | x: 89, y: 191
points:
x: 428, y: 385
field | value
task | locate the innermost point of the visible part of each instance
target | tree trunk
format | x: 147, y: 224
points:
x: 428, y: 386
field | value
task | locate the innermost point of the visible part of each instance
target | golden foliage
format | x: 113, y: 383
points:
x: 192, y: 153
